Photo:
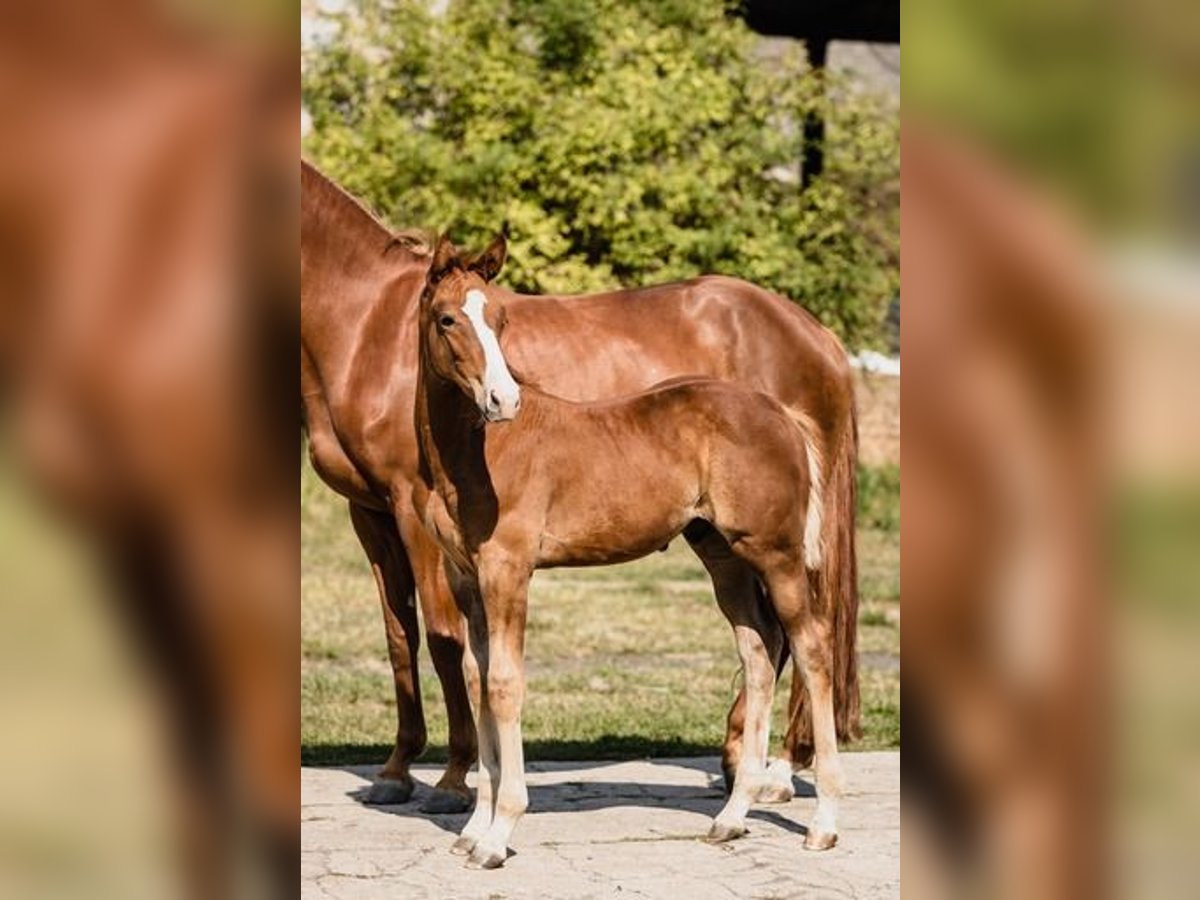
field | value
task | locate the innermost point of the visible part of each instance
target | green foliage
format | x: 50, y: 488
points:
x: 879, y: 497
x: 623, y: 141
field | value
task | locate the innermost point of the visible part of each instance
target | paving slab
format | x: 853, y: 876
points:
x: 601, y: 830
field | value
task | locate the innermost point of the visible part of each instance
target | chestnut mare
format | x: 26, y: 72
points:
x: 358, y: 365
x: 514, y: 479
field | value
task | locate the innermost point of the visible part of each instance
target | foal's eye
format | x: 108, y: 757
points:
x: 445, y: 321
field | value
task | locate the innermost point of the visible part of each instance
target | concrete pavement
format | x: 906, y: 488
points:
x: 595, y: 829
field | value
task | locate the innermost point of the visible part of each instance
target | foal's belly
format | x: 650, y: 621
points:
x: 611, y: 530
x: 555, y: 553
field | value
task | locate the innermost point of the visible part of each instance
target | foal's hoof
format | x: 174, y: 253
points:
x: 463, y: 845
x: 443, y: 800
x: 774, y: 793
x: 778, y: 786
x: 483, y: 858
x: 387, y: 791
x: 720, y: 833
x: 820, y: 840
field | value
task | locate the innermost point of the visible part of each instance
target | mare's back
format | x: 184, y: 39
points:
x: 613, y: 344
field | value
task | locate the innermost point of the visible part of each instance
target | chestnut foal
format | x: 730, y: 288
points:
x: 514, y: 480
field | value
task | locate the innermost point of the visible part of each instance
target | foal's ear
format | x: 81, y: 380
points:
x: 489, y: 263
x: 445, y: 258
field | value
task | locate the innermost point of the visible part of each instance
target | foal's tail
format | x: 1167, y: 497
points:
x: 832, y: 564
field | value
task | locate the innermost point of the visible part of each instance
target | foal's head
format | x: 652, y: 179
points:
x: 460, y: 328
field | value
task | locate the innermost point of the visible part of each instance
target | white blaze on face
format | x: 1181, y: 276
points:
x: 501, y: 394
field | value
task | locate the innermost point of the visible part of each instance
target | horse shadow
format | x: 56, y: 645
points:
x: 583, y: 796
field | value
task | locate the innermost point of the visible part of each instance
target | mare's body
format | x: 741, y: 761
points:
x: 359, y: 293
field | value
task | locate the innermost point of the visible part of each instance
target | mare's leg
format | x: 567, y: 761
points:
x: 504, y: 588
x: 394, y: 577
x: 737, y: 587
x: 811, y: 641
x: 445, y: 633
x: 798, y: 742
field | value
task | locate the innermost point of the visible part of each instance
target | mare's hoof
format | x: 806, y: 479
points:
x: 778, y: 787
x: 387, y: 791
x: 482, y: 858
x: 463, y: 845
x: 720, y: 833
x: 443, y: 800
x: 820, y: 840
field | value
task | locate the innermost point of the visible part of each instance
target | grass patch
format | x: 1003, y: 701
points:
x: 879, y: 498
x: 623, y: 661
x: 874, y: 618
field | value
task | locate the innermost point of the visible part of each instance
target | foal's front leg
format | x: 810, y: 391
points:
x: 504, y: 587
x: 474, y: 660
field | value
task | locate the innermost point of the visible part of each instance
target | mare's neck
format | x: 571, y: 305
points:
x: 348, y: 262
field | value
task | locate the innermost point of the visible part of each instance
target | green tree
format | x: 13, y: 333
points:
x: 623, y: 141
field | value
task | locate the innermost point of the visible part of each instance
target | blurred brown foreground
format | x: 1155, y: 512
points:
x: 148, y: 273
x: 1051, y: 457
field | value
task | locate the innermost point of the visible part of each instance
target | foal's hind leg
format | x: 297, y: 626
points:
x: 778, y: 787
x: 759, y: 642
x: 811, y: 641
x: 737, y: 587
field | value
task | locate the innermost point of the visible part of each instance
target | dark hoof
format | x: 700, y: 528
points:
x: 819, y: 840
x: 486, y: 859
x: 388, y: 791
x: 720, y: 833
x: 444, y: 801
x: 463, y: 845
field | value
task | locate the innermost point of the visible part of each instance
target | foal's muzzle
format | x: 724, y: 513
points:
x: 501, y: 406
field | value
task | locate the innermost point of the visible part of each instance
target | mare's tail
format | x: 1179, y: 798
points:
x: 831, y: 561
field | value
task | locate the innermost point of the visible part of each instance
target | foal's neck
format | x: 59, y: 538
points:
x: 450, y: 434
